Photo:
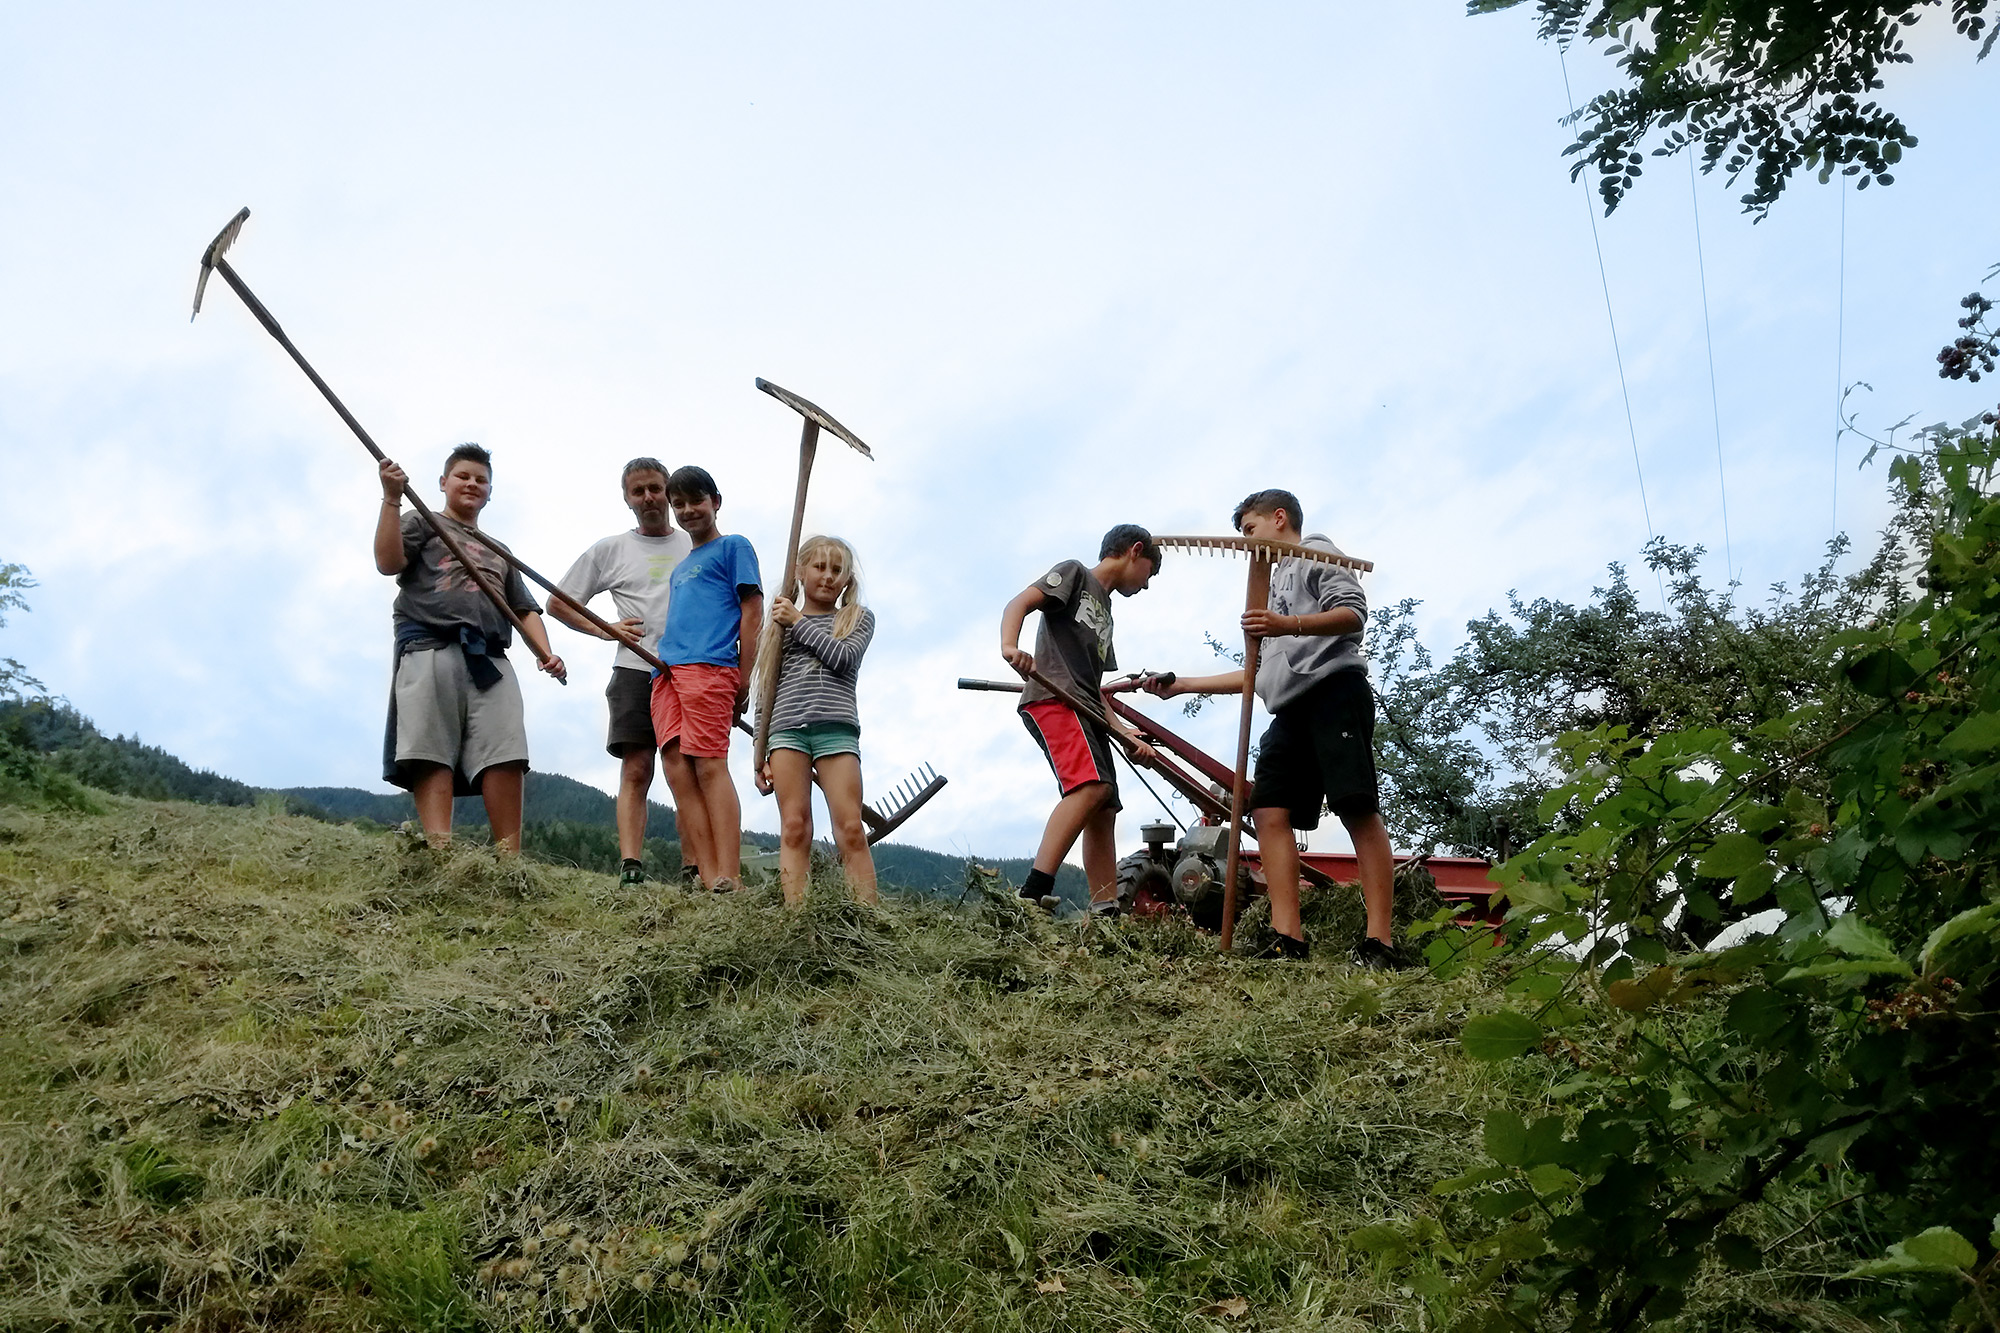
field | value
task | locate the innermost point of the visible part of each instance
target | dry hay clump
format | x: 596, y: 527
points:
x: 266, y: 1072
x: 1335, y: 918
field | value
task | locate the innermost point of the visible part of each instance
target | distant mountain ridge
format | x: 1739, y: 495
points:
x: 563, y: 820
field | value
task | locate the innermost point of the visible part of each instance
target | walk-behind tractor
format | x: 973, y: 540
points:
x: 1186, y: 873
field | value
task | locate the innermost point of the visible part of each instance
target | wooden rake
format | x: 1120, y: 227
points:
x: 816, y: 419
x: 1263, y: 554
x: 212, y: 261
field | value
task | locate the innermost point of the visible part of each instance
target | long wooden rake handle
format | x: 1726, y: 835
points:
x: 1256, y: 598
x: 271, y: 326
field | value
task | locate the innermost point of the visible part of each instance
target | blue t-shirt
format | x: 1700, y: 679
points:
x: 705, y: 604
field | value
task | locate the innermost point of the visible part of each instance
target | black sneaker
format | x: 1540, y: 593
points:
x: 1374, y: 956
x: 691, y: 877
x: 631, y: 879
x: 1284, y: 946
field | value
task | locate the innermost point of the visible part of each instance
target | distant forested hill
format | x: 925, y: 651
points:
x: 564, y: 821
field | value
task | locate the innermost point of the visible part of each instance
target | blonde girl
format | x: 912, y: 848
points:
x: 815, y: 728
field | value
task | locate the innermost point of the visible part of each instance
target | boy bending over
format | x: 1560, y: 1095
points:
x: 1320, y: 746
x: 1073, y: 650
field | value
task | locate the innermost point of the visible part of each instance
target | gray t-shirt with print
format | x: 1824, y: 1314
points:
x: 1073, y: 646
x: 433, y: 589
x: 634, y: 569
x: 1292, y: 664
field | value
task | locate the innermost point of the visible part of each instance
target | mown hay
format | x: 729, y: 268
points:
x: 261, y: 1071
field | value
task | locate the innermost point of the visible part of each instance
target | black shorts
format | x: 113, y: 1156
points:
x: 630, y: 696
x: 1320, y: 751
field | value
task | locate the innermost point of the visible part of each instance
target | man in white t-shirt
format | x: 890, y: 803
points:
x: 633, y: 567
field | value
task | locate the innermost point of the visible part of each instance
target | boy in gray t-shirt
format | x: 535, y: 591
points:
x: 1319, y: 750
x: 455, y: 712
x: 1073, y: 651
x: 634, y: 567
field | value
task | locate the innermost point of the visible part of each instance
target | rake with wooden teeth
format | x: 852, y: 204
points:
x: 1262, y: 553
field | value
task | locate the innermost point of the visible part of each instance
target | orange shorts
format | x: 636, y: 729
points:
x: 695, y: 705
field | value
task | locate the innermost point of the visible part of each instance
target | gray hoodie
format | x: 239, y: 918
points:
x: 1291, y: 664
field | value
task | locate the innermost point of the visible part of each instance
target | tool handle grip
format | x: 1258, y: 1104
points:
x: 996, y: 686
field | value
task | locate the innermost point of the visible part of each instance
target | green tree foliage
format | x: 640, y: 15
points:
x: 1755, y: 86
x: 15, y: 682
x: 1464, y: 745
x: 1820, y: 1100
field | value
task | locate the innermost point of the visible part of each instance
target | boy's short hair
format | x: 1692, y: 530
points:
x: 692, y: 482
x: 1119, y: 540
x: 1270, y: 502
x: 472, y: 452
x: 642, y: 464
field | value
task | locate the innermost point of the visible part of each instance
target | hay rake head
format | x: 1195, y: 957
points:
x: 1259, y: 549
x: 889, y: 813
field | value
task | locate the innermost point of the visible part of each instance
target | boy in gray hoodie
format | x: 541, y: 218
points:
x: 1320, y: 747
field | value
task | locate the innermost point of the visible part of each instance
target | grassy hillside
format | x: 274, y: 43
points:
x: 262, y: 1071
x: 565, y: 821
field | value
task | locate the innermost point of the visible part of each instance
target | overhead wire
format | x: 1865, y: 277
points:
x: 1617, y: 353
x: 1714, y: 399
x: 1839, y: 350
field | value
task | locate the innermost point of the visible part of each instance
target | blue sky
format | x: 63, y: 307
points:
x: 1061, y: 266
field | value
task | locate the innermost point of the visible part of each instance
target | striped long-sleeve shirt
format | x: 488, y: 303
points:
x: 816, y: 675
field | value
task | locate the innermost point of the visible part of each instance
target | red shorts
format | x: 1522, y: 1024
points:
x: 1079, y: 751
x: 695, y: 705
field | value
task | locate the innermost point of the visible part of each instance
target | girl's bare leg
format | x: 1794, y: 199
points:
x: 840, y: 780
x: 791, y: 779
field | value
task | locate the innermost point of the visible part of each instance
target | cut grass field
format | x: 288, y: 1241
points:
x: 263, y: 1072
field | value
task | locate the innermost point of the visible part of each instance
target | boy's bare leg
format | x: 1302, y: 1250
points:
x: 1378, y: 868
x: 1278, y: 849
x: 432, y: 793
x: 690, y: 814
x: 635, y: 780
x: 840, y: 780
x: 1100, y: 855
x: 500, y: 789
x: 791, y: 781
x: 1067, y: 822
x: 725, y: 815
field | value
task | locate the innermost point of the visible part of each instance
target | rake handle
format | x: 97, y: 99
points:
x: 271, y: 326
x: 1256, y: 598
x: 767, y: 690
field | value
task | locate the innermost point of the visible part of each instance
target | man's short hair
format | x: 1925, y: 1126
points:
x: 1270, y: 502
x: 692, y: 483
x: 1119, y: 540
x: 642, y: 465
x: 468, y: 451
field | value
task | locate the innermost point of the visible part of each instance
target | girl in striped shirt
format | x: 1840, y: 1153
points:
x: 815, y: 728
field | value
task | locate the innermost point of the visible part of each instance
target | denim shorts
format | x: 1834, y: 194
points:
x: 817, y: 740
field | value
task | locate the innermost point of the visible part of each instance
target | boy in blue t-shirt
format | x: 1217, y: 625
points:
x: 715, y: 608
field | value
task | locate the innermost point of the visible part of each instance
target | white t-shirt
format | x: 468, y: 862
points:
x: 633, y: 569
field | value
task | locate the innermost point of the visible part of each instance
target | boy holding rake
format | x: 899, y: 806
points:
x: 1073, y: 650
x: 1320, y: 747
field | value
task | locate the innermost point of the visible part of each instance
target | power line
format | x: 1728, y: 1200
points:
x: 1839, y: 349
x: 1714, y: 400
x: 1590, y: 208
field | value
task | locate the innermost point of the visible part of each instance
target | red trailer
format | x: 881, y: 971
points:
x: 1186, y: 872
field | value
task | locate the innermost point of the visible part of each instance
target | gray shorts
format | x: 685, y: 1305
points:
x: 630, y: 698
x: 442, y: 718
